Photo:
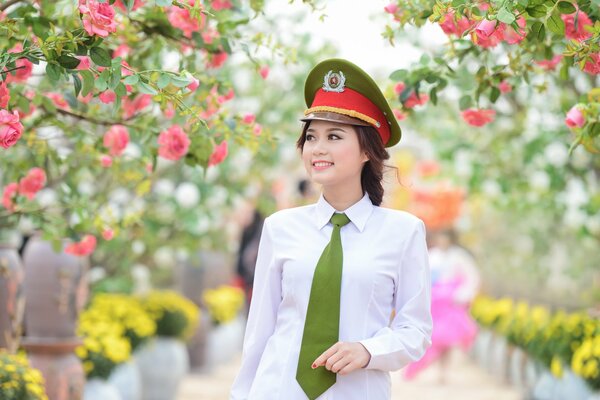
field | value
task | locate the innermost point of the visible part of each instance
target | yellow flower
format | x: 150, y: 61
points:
x: 556, y: 367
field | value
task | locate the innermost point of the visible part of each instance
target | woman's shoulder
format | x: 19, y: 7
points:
x: 290, y: 214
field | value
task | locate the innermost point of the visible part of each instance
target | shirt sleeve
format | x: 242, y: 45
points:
x: 409, y: 333
x: 266, y: 297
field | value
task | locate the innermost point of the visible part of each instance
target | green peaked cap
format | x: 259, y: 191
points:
x: 355, y: 79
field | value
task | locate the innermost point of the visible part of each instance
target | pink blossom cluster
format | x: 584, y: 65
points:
x: 28, y: 186
x: 84, y: 247
x: 98, y: 18
x: 173, y: 143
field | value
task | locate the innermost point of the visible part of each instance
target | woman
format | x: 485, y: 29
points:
x: 330, y: 275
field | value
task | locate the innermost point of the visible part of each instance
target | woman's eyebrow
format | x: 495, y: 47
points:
x: 312, y: 130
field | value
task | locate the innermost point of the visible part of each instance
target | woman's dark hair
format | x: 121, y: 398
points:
x: 372, y: 173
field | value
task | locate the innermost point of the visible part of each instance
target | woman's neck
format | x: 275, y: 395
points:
x: 342, y: 199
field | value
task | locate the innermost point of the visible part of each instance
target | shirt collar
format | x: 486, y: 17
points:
x: 358, y: 213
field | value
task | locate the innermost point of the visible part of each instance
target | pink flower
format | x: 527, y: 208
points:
x: 513, y: 37
x: 257, y: 130
x: 32, y: 183
x: 487, y: 34
x: 136, y: 4
x: 122, y: 51
x: 10, y: 128
x: 221, y: 5
x: 10, y: 192
x: 173, y: 143
x: 86, y: 99
x: 391, y: 8
x: 485, y: 28
x: 181, y: 18
x: 194, y: 85
x: 107, y: 97
x: 4, y: 95
x: 149, y: 167
x: 106, y: 161
x: 98, y: 18
x: 592, y: 67
x: 399, y: 114
x: 413, y: 101
x: 577, y: 32
x: 209, y: 35
x: 505, y: 87
x: 550, y: 64
x: 23, y: 67
x: 575, y: 118
x: 399, y: 88
x: 58, y: 100
x: 217, y: 60
x: 248, y: 118
x: 84, y: 62
x: 85, y: 247
x: 108, y: 234
x: 170, y: 111
x: 450, y: 26
x: 264, y: 71
x: 116, y: 139
x: 478, y: 117
x: 219, y: 153
x: 132, y: 107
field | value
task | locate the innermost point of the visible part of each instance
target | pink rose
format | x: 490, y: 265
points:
x: 487, y: 34
x: 58, y: 100
x: 107, y: 97
x: 513, y: 37
x: 108, y: 234
x: 399, y: 88
x: 219, y: 153
x: 592, y: 67
x: 10, y: 128
x: 86, y: 99
x: 574, y: 118
x: 505, y: 87
x: 10, y: 192
x: 194, y: 85
x: 85, y: 247
x: 98, y: 18
x: 485, y: 28
x: 132, y: 107
x: 399, y: 114
x: 221, y: 5
x: 248, y: 118
x: 413, y: 101
x: 4, y: 95
x: 257, y: 130
x: 84, y: 62
x: 181, y: 18
x: 550, y: 64
x: 578, y: 32
x: 32, y: 183
x: 209, y: 35
x: 122, y: 51
x: 173, y: 143
x: 116, y: 139
x: 106, y: 161
x: 217, y: 59
x: 264, y: 71
x: 452, y: 27
x: 23, y: 67
x: 478, y: 117
x: 391, y: 8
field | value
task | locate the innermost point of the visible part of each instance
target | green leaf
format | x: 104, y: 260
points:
x: 54, y: 72
x: 181, y: 81
x: 537, y: 11
x: 433, y: 95
x: 565, y: 7
x: 100, y: 56
x: 399, y: 75
x: 146, y: 89
x: 68, y: 62
x: 494, y: 94
x: 523, y: 3
x: 131, y: 79
x: 594, y: 129
x: 88, y: 82
x: 506, y: 16
x: 115, y: 78
x: 76, y: 84
x: 481, y: 72
x: 538, y: 31
x: 556, y: 25
x: 465, y: 102
x: 564, y: 72
x: 121, y: 90
x: 163, y: 81
x: 101, y: 83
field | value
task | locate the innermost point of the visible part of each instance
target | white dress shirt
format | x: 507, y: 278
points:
x: 385, y: 270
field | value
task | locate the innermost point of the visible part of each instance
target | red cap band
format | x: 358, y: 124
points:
x: 351, y: 103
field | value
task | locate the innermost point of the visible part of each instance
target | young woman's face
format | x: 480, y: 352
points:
x: 332, y: 154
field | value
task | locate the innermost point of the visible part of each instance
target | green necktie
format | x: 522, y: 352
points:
x: 322, y: 325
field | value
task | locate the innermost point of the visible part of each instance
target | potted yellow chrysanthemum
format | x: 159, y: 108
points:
x: 176, y: 318
x: 18, y: 380
x: 586, y: 363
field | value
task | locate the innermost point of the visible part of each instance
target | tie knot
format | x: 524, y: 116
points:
x: 339, y: 219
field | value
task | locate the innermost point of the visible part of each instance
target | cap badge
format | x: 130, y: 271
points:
x: 334, y: 82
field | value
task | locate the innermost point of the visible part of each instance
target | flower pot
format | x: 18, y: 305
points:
x: 483, y: 346
x: 12, y: 299
x: 55, y: 289
x: 163, y: 363
x: 99, y: 389
x: 516, y: 368
x: 573, y: 386
x: 224, y: 341
x: 207, y: 269
x: 198, y: 345
x: 127, y: 380
x: 498, y: 362
x: 547, y: 387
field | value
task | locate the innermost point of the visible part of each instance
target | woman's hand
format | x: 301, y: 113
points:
x: 343, y: 358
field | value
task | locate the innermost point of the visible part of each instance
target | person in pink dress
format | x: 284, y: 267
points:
x: 455, y: 282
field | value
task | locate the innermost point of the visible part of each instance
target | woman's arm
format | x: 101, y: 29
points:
x: 266, y: 296
x: 409, y: 333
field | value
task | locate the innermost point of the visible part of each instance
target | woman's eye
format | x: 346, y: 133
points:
x: 334, y: 137
x: 309, y: 137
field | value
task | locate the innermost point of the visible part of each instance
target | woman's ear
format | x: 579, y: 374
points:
x: 365, y: 157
